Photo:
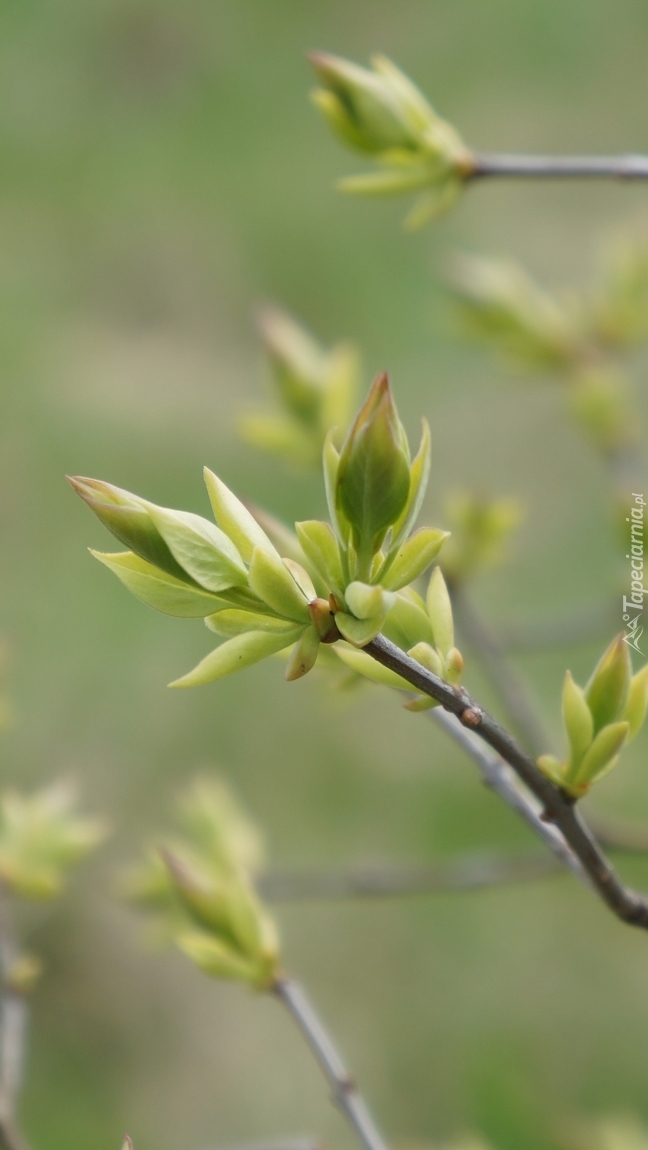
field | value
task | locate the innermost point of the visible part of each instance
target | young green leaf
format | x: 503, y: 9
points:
x: 440, y: 611
x: 233, y: 622
x: 358, y: 632
x: 320, y: 547
x: 419, y: 475
x: 367, y: 602
x: 608, y: 687
x: 158, y: 589
x: 303, y: 656
x: 635, y: 709
x: 236, y: 654
x: 603, y: 751
x: 272, y: 582
x: 364, y: 665
x: 578, y: 721
x: 234, y: 518
x: 413, y: 557
x: 205, y: 552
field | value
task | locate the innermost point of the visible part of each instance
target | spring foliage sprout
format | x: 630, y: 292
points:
x: 41, y: 838
x: 315, y: 390
x: 356, y: 571
x: 200, y: 886
x: 599, y: 720
x: 382, y: 114
x: 578, y: 339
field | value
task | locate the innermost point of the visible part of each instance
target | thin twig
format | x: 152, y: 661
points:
x: 627, y: 904
x: 389, y: 881
x: 506, y: 679
x: 13, y: 1027
x: 344, y: 1091
x: 631, y: 167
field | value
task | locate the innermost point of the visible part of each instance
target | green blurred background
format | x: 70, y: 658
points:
x: 161, y: 172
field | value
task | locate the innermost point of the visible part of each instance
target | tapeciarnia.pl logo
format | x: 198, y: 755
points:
x: 631, y: 615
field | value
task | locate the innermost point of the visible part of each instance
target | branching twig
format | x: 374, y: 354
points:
x: 13, y: 1025
x: 344, y: 1091
x: 556, y: 807
x: 389, y: 881
x: 632, y: 167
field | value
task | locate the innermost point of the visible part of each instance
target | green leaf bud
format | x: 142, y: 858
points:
x: 319, y: 545
x: 218, y: 960
x: 601, y: 756
x: 272, y: 582
x: 234, y: 518
x: 233, y: 621
x: 373, y: 478
x: 634, y: 711
x: 439, y: 610
x: 599, y: 398
x: 427, y: 657
x: 620, y: 309
x: 128, y: 518
x: 362, y: 106
x: 607, y: 690
x: 481, y: 527
x: 236, y: 654
x: 205, y: 552
x: 454, y: 666
x: 553, y: 769
x: 408, y: 622
x: 358, y: 632
x: 578, y: 722
x: 501, y: 305
x: 419, y: 475
x: 304, y: 654
x: 367, y: 602
x: 413, y: 557
x: 364, y: 665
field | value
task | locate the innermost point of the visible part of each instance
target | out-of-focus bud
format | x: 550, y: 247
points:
x: 205, y: 891
x: 381, y: 112
x: 600, y: 401
x: 481, y: 527
x: 501, y: 305
x: 373, y: 475
x: 23, y: 975
x: 127, y: 1144
x: 41, y: 838
x: 439, y: 609
x: 620, y: 307
x: 315, y: 388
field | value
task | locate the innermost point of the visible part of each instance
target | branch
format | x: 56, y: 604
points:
x: 345, y: 1094
x: 632, y: 167
x: 556, y: 807
x: 13, y: 1026
x: 507, y: 681
x: 389, y: 881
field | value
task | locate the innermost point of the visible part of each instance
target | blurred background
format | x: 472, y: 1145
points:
x: 162, y: 172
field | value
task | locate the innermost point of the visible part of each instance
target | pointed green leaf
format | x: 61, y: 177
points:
x: 408, y: 622
x: 440, y: 611
x: 236, y: 654
x: 367, y: 602
x: 367, y: 667
x: 215, y: 958
x: 128, y: 517
x: 427, y: 657
x: 202, y: 549
x: 359, y: 632
x: 605, y: 747
x: 331, y: 463
x: 234, y: 622
x: 386, y: 182
x: 234, y: 518
x: 271, y: 581
x: 419, y: 475
x: 552, y: 768
x: 607, y: 690
x: 158, y: 589
x: 413, y: 557
x: 320, y: 547
x: 635, y: 709
x: 578, y: 721
x: 302, y: 579
x: 303, y: 656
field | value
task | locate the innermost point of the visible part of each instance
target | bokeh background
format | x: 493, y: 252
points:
x: 161, y: 172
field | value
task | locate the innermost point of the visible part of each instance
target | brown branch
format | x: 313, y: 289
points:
x: 631, y: 167
x: 506, y: 679
x: 557, y: 808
